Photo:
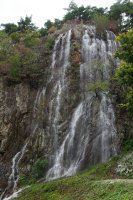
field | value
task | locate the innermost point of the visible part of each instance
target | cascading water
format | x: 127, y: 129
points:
x: 14, y: 176
x: 58, y: 169
x: 106, y: 124
x: 85, y: 134
x: 60, y: 63
x: 58, y: 77
x: 87, y: 141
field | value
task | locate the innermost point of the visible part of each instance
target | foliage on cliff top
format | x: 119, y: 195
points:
x: 17, y: 50
x: 119, y: 18
x: 21, y: 51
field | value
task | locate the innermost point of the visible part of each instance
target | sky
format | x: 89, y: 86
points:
x: 41, y: 10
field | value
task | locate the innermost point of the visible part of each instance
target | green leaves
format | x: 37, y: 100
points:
x: 31, y: 39
x: 5, y: 46
x: 126, y: 51
x: 50, y: 43
x: 124, y: 74
x: 98, y: 86
x: 40, y: 167
x: 26, y: 24
x: 17, y: 52
x: 101, y: 23
x: 15, y: 65
x: 119, y: 10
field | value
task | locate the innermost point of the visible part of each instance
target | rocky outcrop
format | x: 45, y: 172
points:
x: 16, y: 105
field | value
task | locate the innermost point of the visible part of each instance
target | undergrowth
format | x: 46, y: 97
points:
x: 87, y: 185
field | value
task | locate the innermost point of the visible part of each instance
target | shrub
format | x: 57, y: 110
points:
x: 15, y: 65
x: 124, y: 73
x: 15, y: 37
x: 101, y: 23
x: 125, y: 166
x: 98, y: 86
x: 31, y: 39
x: 50, y: 43
x: 52, y: 29
x: 43, y: 32
x: 26, y: 180
x: 127, y: 145
x: 40, y: 167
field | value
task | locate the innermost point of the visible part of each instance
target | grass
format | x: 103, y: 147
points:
x: 88, y: 185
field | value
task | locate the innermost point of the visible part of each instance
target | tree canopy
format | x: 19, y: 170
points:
x: 122, y: 12
x: 23, y: 25
x: 124, y: 73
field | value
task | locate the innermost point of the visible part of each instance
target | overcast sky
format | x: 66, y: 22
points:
x: 41, y: 10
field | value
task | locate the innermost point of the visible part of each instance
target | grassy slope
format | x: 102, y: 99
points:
x: 88, y: 185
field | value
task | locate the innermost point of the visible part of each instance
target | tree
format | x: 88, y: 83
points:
x: 18, y: 53
x: 58, y: 23
x: 5, y: 46
x: 43, y: 32
x: 31, y: 38
x: 101, y: 23
x: 124, y: 73
x: 10, y: 28
x: 48, y: 24
x: 39, y: 168
x: 72, y: 6
x: 83, y: 13
x: 26, y: 24
x: 122, y: 12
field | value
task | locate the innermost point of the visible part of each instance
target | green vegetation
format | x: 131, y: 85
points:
x: 101, y: 23
x: 78, y: 188
x: 5, y: 46
x: 124, y: 74
x: 98, y: 86
x: 114, y: 19
x: 17, y: 48
x: 119, y: 18
x: 88, y: 185
x: 119, y: 10
x: 127, y: 145
x: 49, y: 43
x: 23, y: 25
x: 39, y: 168
x: 48, y: 25
x: 125, y: 166
x: 15, y: 63
x: 82, y: 13
x: 38, y: 171
x: 26, y: 180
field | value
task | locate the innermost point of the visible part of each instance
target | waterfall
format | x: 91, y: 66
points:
x: 60, y: 63
x: 87, y: 141
x: 86, y: 133
x: 13, y: 178
x: 106, y: 124
x: 58, y: 77
x: 58, y: 169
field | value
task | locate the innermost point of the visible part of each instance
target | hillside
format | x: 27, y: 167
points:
x: 100, y: 182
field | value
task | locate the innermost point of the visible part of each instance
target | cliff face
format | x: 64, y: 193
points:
x: 69, y: 119
x: 16, y: 105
